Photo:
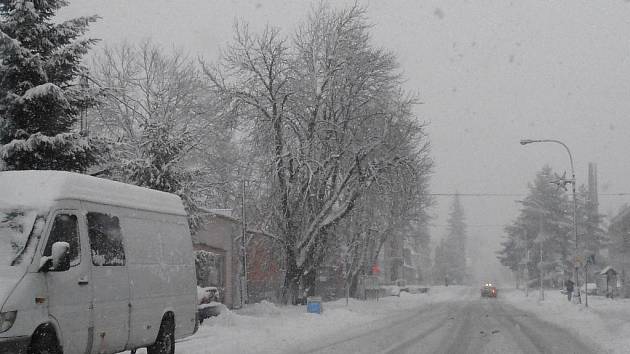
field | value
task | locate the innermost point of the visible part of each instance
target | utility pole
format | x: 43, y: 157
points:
x: 589, y: 260
x: 527, y: 270
x: 243, y: 250
x: 542, y: 290
x: 577, y: 284
x: 540, y: 265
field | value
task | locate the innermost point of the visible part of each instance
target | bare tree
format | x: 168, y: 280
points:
x: 328, y: 121
x: 167, y: 131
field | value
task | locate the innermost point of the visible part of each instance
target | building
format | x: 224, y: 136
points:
x: 391, y: 259
x: 217, y: 245
x: 265, y: 267
x: 619, y: 249
x: 214, y: 241
x: 412, y: 260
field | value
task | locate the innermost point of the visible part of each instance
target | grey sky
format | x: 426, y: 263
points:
x: 489, y: 72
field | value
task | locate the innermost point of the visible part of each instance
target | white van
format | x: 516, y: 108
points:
x: 89, y: 265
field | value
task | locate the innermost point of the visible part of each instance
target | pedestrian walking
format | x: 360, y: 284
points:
x: 569, y: 285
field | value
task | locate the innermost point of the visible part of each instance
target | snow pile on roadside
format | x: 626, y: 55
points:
x: 604, y: 322
x: 263, y: 308
x: 269, y: 328
x: 211, y: 304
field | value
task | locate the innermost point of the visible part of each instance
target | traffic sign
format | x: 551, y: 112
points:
x: 376, y: 269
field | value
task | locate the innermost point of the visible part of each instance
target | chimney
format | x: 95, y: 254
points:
x: 593, y: 199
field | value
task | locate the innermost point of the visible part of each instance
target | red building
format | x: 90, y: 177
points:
x: 219, y: 241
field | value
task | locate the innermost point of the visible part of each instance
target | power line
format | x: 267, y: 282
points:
x: 474, y: 225
x: 475, y: 194
x: 623, y: 194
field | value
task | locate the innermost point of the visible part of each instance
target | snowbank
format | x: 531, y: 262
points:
x: 604, y: 322
x: 269, y: 328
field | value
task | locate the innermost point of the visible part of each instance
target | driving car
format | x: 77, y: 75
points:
x: 489, y: 290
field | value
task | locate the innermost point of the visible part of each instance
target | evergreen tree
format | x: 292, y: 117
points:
x: 544, y: 225
x: 439, y: 264
x: 40, y: 95
x: 455, y: 243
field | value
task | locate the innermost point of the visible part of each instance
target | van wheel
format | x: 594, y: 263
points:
x: 165, y: 342
x: 44, y: 342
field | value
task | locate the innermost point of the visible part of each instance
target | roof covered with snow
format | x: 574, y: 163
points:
x: 40, y: 189
x: 608, y: 269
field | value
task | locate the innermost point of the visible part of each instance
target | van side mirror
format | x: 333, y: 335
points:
x: 44, y: 264
x: 59, y: 259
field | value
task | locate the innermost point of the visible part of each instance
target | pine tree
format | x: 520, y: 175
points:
x: 544, y: 224
x: 455, y: 250
x: 439, y: 265
x: 40, y: 95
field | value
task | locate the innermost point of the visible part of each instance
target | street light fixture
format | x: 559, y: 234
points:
x: 572, y: 181
x: 526, y: 141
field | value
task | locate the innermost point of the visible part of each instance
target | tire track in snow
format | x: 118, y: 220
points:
x: 382, y: 333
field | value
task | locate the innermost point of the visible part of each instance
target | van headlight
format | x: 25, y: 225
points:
x: 6, y: 320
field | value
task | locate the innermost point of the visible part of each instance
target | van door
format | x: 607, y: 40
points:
x: 69, y: 291
x: 110, y: 282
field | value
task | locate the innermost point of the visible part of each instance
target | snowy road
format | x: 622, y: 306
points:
x: 446, y: 320
x: 470, y: 325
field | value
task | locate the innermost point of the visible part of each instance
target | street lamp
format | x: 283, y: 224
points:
x: 572, y: 181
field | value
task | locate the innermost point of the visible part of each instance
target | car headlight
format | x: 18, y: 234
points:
x: 6, y: 320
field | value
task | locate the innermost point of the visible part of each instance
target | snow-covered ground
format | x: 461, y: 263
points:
x: 268, y: 328
x: 605, y: 322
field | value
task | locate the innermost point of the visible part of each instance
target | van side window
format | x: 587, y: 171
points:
x: 106, y: 241
x: 65, y: 229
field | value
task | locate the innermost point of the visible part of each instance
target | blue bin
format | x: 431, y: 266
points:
x: 314, y: 305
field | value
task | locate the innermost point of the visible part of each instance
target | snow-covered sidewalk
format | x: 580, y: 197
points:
x: 268, y: 328
x: 605, y: 322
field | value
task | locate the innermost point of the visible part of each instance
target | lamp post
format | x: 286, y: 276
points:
x: 572, y: 181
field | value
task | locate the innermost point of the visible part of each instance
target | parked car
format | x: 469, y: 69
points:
x: 489, y: 290
x: 209, y: 302
x: 402, y: 285
x: 417, y: 289
x: 391, y: 290
x: 208, y: 294
x: 92, y: 265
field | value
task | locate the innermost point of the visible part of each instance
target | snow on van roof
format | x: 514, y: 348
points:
x: 39, y: 189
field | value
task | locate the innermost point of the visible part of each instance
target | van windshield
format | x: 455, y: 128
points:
x: 18, y: 228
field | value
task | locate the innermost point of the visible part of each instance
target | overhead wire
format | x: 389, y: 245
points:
x: 621, y: 194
